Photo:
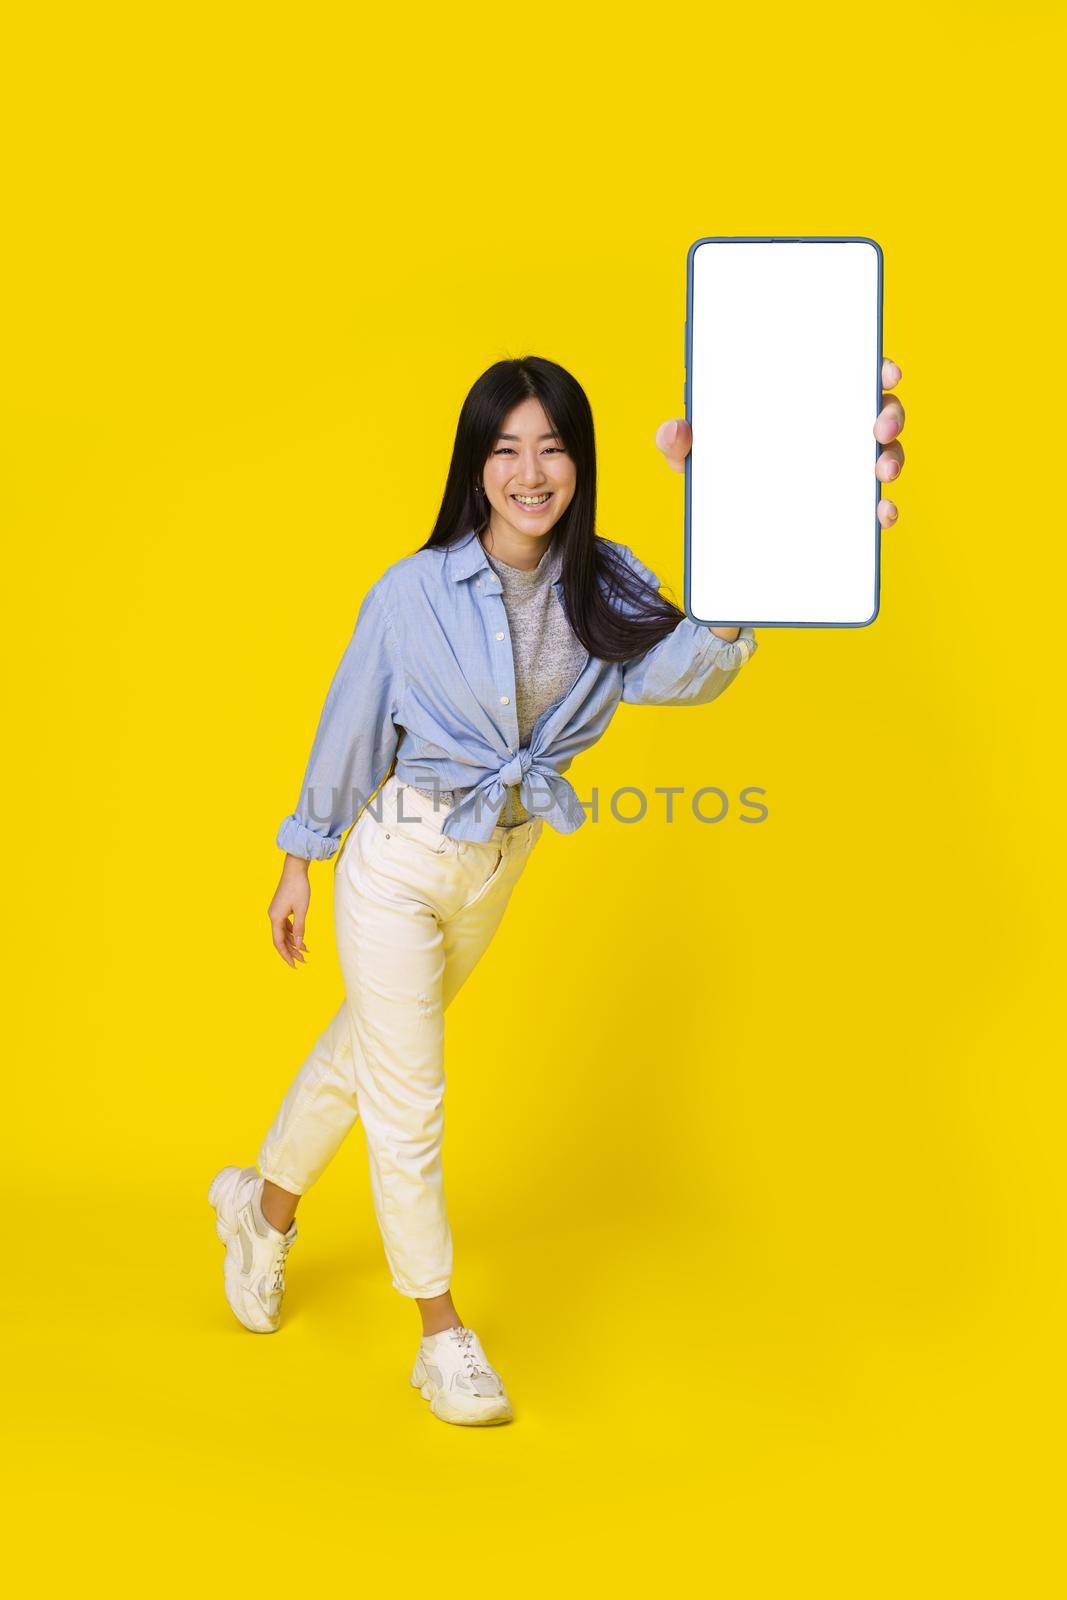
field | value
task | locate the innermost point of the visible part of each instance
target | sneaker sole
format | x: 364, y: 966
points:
x: 234, y: 1293
x: 446, y: 1412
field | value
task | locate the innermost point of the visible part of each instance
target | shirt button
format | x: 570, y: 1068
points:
x: 505, y: 700
x: 500, y: 635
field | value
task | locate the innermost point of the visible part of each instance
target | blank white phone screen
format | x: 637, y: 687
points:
x: 785, y: 382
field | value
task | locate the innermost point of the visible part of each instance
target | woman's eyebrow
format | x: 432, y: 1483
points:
x: 515, y: 436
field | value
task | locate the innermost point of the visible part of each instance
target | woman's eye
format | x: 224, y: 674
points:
x: 553, y: 449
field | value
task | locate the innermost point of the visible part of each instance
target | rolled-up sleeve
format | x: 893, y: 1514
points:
x: 356, y: 739
x: 690, y: 667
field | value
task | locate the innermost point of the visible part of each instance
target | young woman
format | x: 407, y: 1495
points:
x: 480, y: 665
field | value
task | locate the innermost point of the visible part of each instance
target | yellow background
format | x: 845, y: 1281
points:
x: 754, y: 1136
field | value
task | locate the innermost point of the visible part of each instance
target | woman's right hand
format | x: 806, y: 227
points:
x: 291, y: 900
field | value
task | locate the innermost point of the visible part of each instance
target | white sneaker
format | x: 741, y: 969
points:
x: 452, y: 1373
x: 254, y: 1271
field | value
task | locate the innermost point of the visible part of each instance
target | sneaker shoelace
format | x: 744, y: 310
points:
x: 484, y: 1380
x: 277, y: 1279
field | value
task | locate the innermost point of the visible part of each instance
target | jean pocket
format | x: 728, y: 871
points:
x: 495, y: 873
x: 422, y: 840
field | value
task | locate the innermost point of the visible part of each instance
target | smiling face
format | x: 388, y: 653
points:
x: 528, y: 460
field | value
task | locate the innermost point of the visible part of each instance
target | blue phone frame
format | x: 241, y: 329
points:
x: 729, y: 622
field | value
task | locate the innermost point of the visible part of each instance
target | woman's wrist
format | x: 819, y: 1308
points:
x: 296, y: 864
x: 729, y: 634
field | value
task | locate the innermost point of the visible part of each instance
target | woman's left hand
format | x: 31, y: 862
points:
x: 675, y: 439
x: 890, y: 421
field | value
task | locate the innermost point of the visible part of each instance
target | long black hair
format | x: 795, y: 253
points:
x: 595, y: 578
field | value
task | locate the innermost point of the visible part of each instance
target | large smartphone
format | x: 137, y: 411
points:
x: 783, y: 356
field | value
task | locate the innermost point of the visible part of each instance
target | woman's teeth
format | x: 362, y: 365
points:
x: 532, y: 502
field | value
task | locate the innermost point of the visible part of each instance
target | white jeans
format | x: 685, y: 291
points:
x: 413, y: 910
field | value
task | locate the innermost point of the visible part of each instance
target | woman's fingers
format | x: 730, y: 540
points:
x: 887, y: 426
x: 279, y: 929
x: 288, y: 934
x: 288, y: 914
x: 890, y: 419
x: 675, y: 439
x: 889, y: 463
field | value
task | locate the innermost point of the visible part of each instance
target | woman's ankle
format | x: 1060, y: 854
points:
x: 278, y: 1205
x: 438, y: 1314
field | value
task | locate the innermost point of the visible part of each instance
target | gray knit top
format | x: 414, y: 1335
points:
x: 548, y: 657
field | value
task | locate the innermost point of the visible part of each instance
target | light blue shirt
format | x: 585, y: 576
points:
x: 428, y: 681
